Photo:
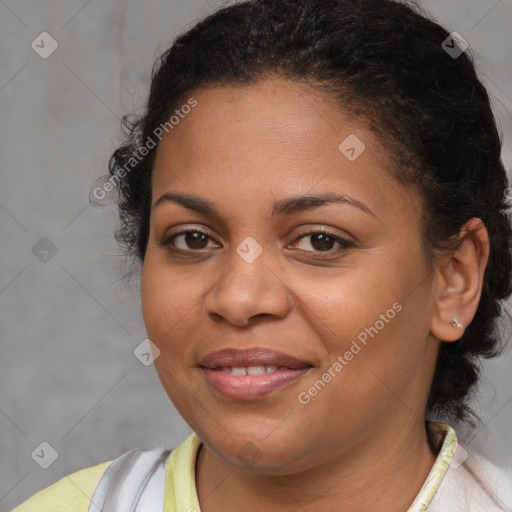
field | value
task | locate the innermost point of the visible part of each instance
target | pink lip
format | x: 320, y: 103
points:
x: 251, y: 357
x: 251, y: 387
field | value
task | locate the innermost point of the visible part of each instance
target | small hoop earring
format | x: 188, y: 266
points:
x: 455, y: 323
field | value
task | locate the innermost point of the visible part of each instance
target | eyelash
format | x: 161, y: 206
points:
x: 345, y: 244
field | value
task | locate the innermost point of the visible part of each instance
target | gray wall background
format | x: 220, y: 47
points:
x: 68, y: 324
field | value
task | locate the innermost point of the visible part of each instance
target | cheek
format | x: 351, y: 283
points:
x: 376, y: 340
x: 153, y: 297
x: 166, y: 310
x: 347, y: 302
x: 171, y: 307
x: 165, y: 300
x: 375, y: 317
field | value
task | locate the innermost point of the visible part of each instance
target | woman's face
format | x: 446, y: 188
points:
x: 339, y: 288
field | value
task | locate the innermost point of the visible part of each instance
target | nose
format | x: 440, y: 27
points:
x: 247, y: 290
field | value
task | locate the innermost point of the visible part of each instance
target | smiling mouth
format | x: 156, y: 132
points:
x: 250, y: 370
x: 252, y: 382
x: 251, y: 374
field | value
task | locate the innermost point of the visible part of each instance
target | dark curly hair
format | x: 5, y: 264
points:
x: 384, y: 62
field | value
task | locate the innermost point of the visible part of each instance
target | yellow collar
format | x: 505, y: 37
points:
x: 180, y: 481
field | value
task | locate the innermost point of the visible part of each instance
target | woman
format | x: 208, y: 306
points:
x: 316, y: 197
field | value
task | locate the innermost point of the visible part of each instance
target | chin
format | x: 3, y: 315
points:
x: 253, y: 449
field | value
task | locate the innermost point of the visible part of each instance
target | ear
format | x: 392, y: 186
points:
x: 458, y: 282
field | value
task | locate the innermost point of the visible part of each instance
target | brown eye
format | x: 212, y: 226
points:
x: 188, y: 240
x: 322, y: 241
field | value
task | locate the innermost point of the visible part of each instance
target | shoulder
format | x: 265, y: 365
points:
x: 140, y: 476
x: 69, y: 494
x: 474, y: 484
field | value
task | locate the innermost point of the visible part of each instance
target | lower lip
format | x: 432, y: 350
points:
x: 251, y: 387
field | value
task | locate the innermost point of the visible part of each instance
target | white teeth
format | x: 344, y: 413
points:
x: 255, y: 370
x: 251, y: 370
x: 238, y: 371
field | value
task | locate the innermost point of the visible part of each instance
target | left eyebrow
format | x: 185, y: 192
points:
x: 281, y: 208
x: 303, y: 203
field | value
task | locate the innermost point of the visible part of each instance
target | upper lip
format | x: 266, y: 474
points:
x: 232, y: 357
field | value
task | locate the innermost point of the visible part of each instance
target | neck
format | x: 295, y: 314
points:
x: 382, y: 472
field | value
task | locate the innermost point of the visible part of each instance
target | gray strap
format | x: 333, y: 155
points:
x: 124, y: 481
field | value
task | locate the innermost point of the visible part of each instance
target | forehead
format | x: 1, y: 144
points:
x: 273, y: 138
x: 291, y: 117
